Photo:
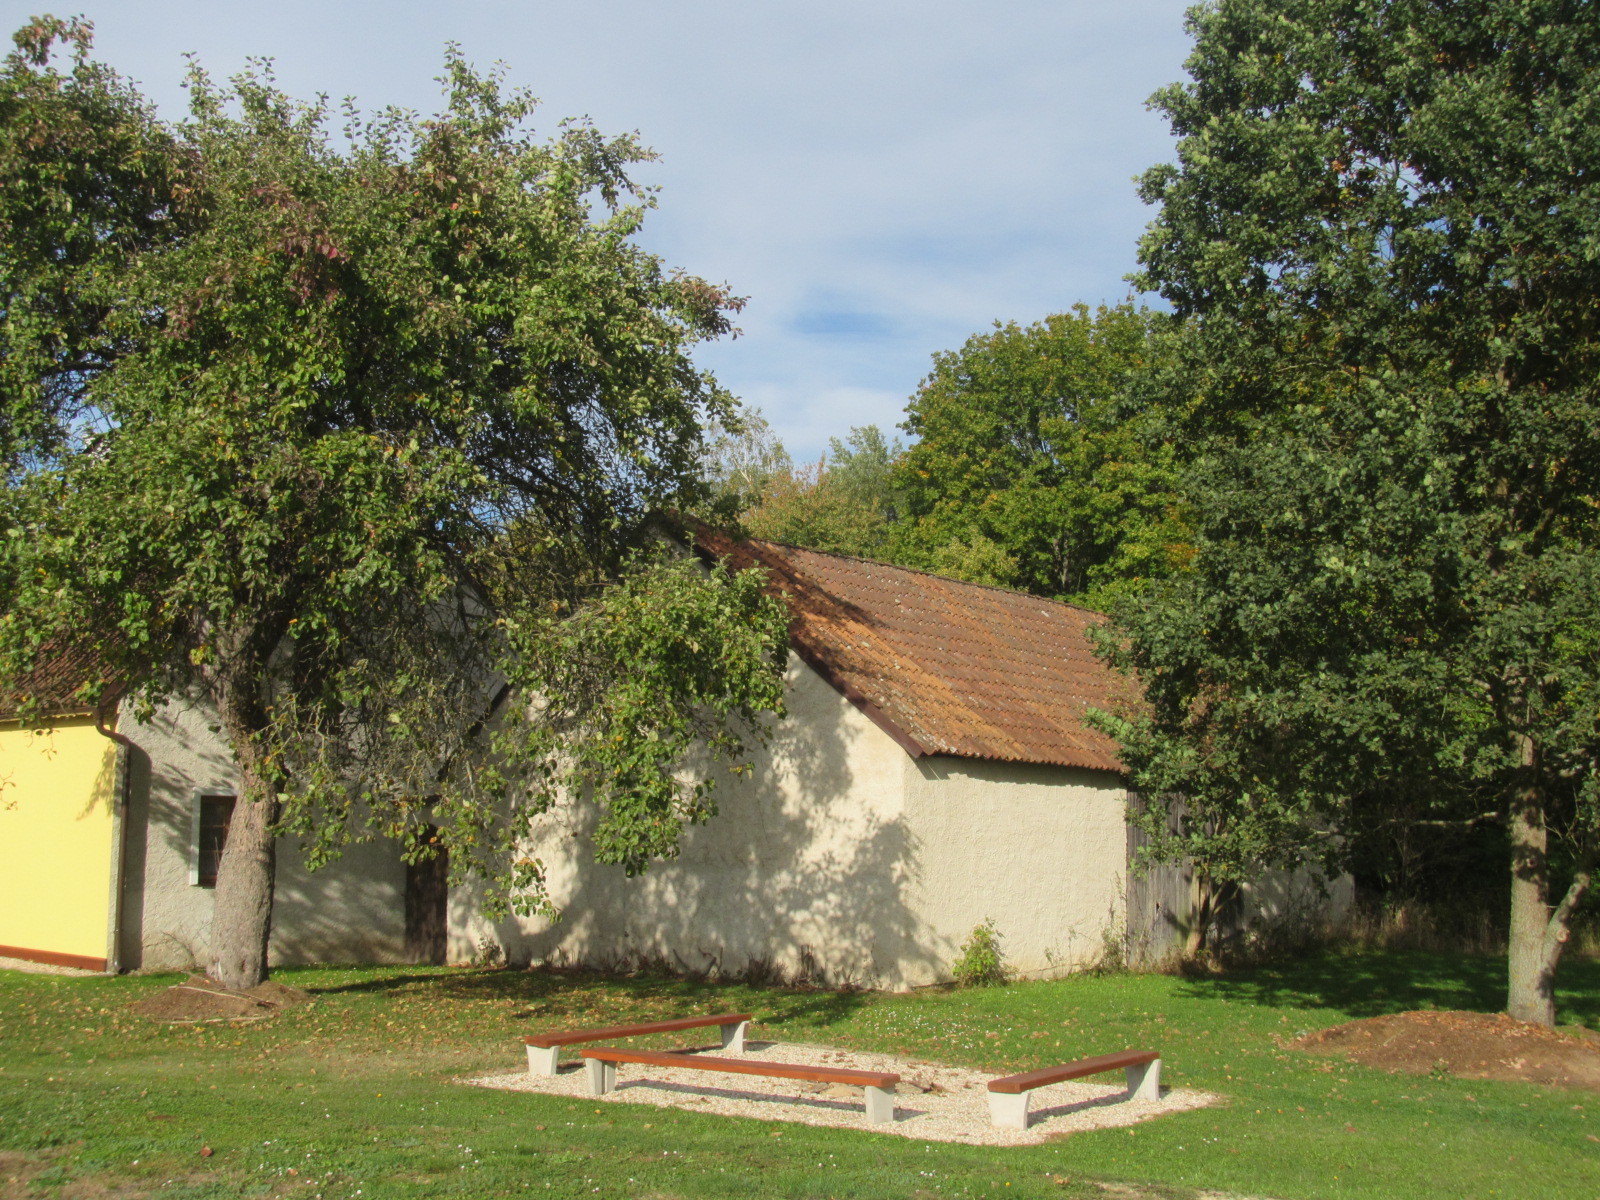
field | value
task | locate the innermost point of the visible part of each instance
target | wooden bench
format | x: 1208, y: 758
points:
x: 1008, y: 1096
x: 544, y: 1049
x: 877, y: 1085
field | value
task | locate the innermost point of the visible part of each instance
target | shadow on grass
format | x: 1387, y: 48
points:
x: 549, y: 987
x: 1372, y: 983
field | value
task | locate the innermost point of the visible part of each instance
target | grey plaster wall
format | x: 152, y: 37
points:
x: 351, y: 911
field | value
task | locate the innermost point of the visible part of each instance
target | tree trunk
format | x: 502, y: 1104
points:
x: 1531, y: 970
x: 1206, y: 901
x: 241, y: 920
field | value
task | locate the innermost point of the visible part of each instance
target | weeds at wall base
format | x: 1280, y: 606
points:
x: 981, y: 963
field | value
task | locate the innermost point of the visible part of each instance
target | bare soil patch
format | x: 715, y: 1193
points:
x: 1467, y: 1044
x: 198, y: 999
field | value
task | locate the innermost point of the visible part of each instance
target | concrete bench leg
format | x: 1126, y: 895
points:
x: 1144, y: 1081
x: 602, y: 1076
x: 1009, y: 1110
x: 733, y: 1036
x: 880, y: 1105
x: 544, y: 1060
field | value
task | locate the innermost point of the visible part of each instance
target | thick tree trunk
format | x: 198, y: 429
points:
x: 241, y: 920
x: 1530, y: 994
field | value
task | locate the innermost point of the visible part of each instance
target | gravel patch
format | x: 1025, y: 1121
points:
x: 936, y: 1103
x: 38, y: 968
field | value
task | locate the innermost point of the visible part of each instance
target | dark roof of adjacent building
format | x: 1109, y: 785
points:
x: 944, y: 667
x: 57, y: 679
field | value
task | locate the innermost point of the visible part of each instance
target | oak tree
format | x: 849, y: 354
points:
x: 1381, y: 234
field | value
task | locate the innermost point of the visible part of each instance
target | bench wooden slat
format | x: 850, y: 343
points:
x: 1073, y: 1070
x: 573, y: 1036
x: 744, y: 1066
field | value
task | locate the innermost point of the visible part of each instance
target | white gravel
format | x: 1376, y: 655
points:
x: 936, y: 1103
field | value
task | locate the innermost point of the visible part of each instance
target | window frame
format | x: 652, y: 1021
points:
x: 197, y: 803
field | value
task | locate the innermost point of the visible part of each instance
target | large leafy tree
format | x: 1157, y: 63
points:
x: 1035, y: 464
x: 1382, y: 235
x: 353, y: 439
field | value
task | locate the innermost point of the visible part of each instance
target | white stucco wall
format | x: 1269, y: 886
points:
x: 351, y: 911
x: 843, y: 859
x: 1038, y: 850
x: 807, y: 866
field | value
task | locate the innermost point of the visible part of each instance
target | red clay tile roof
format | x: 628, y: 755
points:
x: 944, y: 667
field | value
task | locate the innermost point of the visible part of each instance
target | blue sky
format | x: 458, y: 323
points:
x: 882, y: 180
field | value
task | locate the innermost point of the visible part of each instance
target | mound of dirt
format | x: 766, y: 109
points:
x: 1471, y: 1045
x: 277, y: 995
x: 199, y: 999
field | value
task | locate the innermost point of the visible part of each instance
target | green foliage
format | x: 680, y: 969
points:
x: 1039, y: 466
x: 336, y: 435
x: 664, y: 669
x: 981, y: 962
x: 89, y: 178
x: 1035, y: 465
x: 1381, y: 251
x: 743, y: 461
x: 846, y: 504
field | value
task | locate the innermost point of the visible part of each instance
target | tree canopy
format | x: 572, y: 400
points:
x: 1381, y: 237
x: 845, y: 503
x: 1040, y: 463
x: 351, y: 438
x: 1035, y: 452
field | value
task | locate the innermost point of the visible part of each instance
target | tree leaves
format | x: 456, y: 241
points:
x: 1377, y: 240
x: 318, y: 433
x: 1036, y: 466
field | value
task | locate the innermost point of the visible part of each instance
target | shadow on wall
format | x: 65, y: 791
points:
x: 166, y: 920
x: 103, y: 791
x: 350, y: 911
x: 801, y: 877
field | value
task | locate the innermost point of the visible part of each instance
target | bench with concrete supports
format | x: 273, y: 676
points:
x: 878, y: 1086
x: 544, y: 1049
x: 1008, y: 1096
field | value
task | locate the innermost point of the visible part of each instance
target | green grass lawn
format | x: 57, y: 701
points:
x: 350, y: 1097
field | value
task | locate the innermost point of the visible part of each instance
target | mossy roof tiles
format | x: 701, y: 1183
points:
x: 945, y: 667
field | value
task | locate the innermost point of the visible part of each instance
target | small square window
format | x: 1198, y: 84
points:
x: 212, y: 814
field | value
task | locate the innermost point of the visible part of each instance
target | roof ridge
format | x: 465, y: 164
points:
x: 880, y: 562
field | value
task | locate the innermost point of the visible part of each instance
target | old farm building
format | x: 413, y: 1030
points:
x: 934, y: 771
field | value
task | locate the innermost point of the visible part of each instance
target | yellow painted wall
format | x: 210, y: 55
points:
x: 57, y: 795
